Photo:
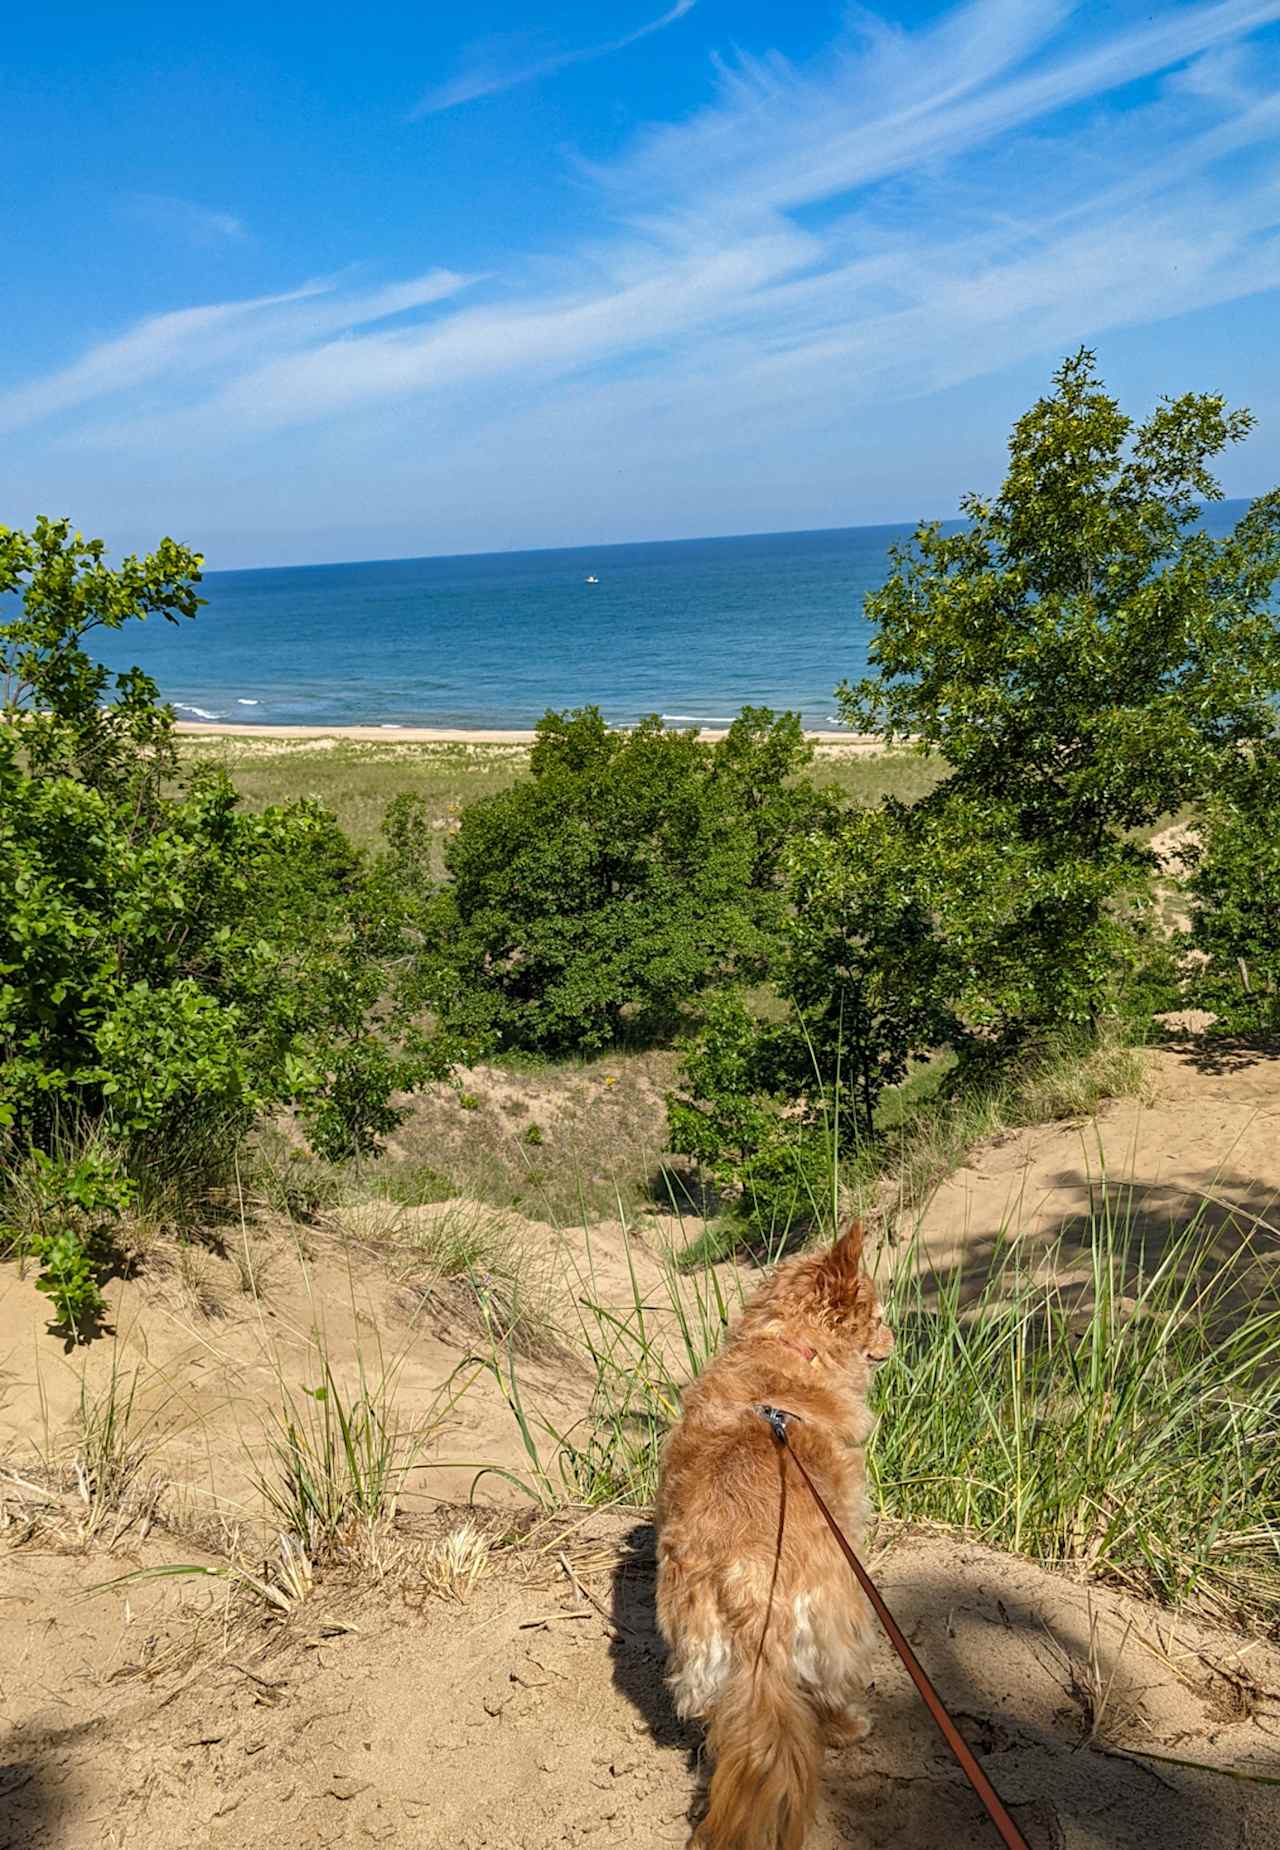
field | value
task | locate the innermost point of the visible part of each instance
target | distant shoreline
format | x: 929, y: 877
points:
x: 855, y: 743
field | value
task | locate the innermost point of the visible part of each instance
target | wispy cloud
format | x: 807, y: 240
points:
x: 497, y: 64
x: 911, y: 211
x: 182, y: 218
x: 191, y: 347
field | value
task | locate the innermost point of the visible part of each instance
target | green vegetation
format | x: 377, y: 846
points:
x: 1087, y: 660
x: 639, y: 971
x: 1235, y: 891
x: 1119, y: 1419
x: 337, y: 1463
x: 179, y: 964
x: 357, y: 781
x: 629, y: 873
x: 640, y: 1352
x: 170, y: 967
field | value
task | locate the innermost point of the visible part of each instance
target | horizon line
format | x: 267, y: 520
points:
x: 692, y: 539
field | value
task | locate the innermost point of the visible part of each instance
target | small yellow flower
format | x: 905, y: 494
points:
x: 611, y: 1079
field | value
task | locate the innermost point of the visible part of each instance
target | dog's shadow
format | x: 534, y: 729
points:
x: 637, y: 1650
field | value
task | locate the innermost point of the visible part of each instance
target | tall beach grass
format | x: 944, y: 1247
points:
x: 1111, y: 1408
x: 1114, y: 1409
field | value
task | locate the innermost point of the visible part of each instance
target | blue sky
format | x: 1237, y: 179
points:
x: 307, y: 282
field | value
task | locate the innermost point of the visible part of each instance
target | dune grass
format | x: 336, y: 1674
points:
x: 358, y: 780
x: 336, y: 1460
x: 1114, y: 1409
x: 1109, y: 1406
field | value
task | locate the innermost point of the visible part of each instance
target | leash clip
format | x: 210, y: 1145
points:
x: 776, y: 1419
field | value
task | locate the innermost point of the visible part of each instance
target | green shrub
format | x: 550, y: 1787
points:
x: 910, y: 931
x: 734, y: 1116
x: 61, y: 1210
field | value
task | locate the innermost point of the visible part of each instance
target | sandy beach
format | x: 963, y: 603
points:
x: 853, y: 742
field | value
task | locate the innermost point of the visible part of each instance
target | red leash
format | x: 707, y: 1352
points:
x: 1010, y: 1835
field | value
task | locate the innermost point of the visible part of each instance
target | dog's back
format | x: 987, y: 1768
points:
x: 768, y: 1636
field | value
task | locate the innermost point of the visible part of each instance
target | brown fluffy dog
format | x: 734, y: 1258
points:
x: 767, y: 1632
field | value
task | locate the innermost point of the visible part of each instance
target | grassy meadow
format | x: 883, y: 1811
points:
x: 358, y: 779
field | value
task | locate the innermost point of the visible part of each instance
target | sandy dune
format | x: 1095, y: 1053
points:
x: 162, y: 1714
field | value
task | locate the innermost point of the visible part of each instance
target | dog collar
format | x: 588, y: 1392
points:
x: 810, y: 1355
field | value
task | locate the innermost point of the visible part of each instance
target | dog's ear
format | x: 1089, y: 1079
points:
x: 843, y: 1264
x: 849, y: 1246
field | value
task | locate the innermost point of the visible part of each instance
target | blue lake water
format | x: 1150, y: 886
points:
x: 691, y: 629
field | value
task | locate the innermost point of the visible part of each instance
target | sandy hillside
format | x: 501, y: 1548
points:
x: 377, y: 1706
x: 211, y: 1345
x: 1204, y: 1140
x: 534, y: 1715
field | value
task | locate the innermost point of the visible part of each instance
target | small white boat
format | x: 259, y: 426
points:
x: 593, y: 580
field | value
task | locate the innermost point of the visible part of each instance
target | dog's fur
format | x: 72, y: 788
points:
x: 767, y: 1632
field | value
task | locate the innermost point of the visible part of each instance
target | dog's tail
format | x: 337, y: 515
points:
x: 767, y: 1743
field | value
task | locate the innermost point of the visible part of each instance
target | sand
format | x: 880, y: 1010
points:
x: 857, y: 743
x: 1204, y: 1142
x: 532, y: 1717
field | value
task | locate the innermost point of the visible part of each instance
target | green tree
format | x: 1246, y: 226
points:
x: 631, y: 871
x: 1087, y: 659
x: 109, y: 732
x: 1083, y: 652
x: 170, y: 967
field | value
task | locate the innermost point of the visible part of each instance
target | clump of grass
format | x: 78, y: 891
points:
x: 369, y: 1221
x: 111, y: 1451
x: 468, y: 1262
x: 640, y: 1354
x: 1067, y: 1084
x: 412, y: 1184
x: 97, y: 1488
x: 338, y: 1462
x: 291, y: 1181
x: 114, y: 1442
x: 1126, y: 1424
x: 719, y: 1240
x: 255, y: 1262
x: 1110, y: 1706
x: 455, y: 1564
x: 192, y: 1267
